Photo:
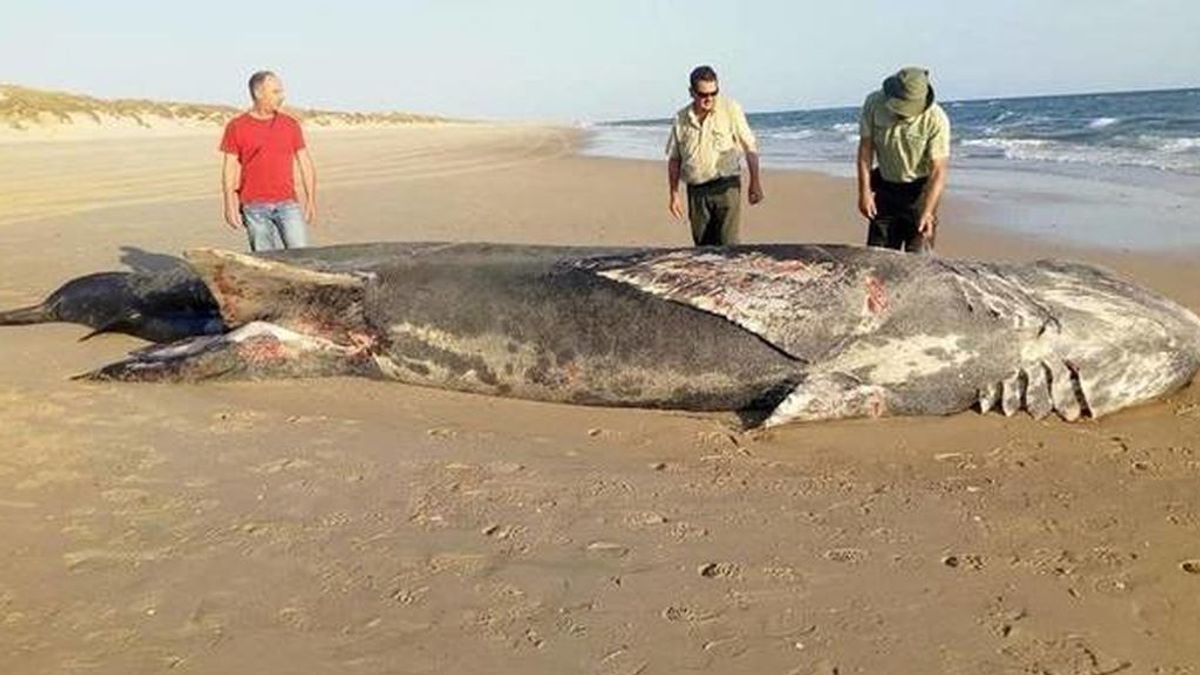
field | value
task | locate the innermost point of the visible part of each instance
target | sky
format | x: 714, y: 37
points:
x: 570, y: 61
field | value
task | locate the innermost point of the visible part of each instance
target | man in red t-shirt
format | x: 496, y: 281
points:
x: 260, y: 147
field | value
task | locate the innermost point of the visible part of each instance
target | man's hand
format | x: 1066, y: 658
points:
x: 676, y: 205
x: 866, y: 205
x: 310, y: 212
x: 927, y: 226
x: 756, y: 192
x: 233, y: 216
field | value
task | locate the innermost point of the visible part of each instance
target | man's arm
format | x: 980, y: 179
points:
x: 308, y: 176
x: 230, y: 171
x: 755, y: 194
x: 674, y: 169
x: 745, y: 137
x: 866, y: 158
x: 939, y: 161
x: 934, y: 187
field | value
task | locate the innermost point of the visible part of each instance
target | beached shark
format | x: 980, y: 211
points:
x: 778, y: 333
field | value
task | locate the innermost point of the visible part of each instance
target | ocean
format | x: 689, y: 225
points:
x: 1113, y: 169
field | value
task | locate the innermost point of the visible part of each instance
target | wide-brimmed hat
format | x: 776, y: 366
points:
x: 908, y: 92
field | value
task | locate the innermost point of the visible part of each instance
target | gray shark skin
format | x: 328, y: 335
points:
x: 779, y: 333
x: 159, y: 306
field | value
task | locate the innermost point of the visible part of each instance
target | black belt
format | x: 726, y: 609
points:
x: 717, y: 183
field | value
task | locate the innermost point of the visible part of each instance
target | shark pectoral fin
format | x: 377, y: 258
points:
x: 258, y: 350
x: 775, y: 298
x: 249, y: 288
x: 829, y: 396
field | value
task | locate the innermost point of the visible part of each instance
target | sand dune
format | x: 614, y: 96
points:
x: 28, y: 114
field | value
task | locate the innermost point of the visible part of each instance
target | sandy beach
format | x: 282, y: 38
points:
x: 354, y: 526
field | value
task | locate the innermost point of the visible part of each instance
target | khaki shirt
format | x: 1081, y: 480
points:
x: 713, y: 148
x: 904, y: 147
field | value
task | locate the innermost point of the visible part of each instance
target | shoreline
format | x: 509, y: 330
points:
x: 1087, y: 208
x: 977, y: 199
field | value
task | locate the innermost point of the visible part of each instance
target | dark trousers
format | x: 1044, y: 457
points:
x: 714, y: 209
x: 897, y: 215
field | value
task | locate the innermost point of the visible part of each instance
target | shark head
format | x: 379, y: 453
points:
x: 1122, y: 343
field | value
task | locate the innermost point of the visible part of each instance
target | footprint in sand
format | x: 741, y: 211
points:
x: 782, y: 573
x: 306, y: 419
x: 298, y: 618
x: 970, y: 561
x: 721, y: 570
x: 851, y: 556
x: 721, y: 440
x: 461, y: 564
x: 684, y: 531
x: 675, y: 614
x: 234, y: 421
x: 643, y: 519
x: 409, y: 596
x: 726, y: 647
x: 123, y: 496
x: 1190, y: 566
x: 282, y: 464
x: 608, y: 548
x: 497, y: 531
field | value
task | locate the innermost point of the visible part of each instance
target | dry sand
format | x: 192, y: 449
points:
x: 352, y: 526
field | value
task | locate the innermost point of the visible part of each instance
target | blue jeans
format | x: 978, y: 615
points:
x: 274, y: 225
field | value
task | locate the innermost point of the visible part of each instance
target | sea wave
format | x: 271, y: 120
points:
x: 1181, y: 155
x: 1177, y: 145
x: 1005, y: 143
x: 792, y: 134
x: 1156, y: 129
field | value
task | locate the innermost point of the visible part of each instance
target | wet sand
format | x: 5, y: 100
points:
x: 352, y: 526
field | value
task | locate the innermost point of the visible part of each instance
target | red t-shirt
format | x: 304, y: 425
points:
x: 266, y: 150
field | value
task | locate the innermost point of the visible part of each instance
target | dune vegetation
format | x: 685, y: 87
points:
x: 23, y: 108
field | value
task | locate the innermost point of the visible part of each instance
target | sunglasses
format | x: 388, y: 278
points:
x: 705, y: 94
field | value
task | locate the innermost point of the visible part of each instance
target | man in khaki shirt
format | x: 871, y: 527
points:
x: 908, y: 134
x: 705, y: 149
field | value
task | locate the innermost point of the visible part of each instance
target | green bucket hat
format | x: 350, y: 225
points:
x: 908, y: 92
